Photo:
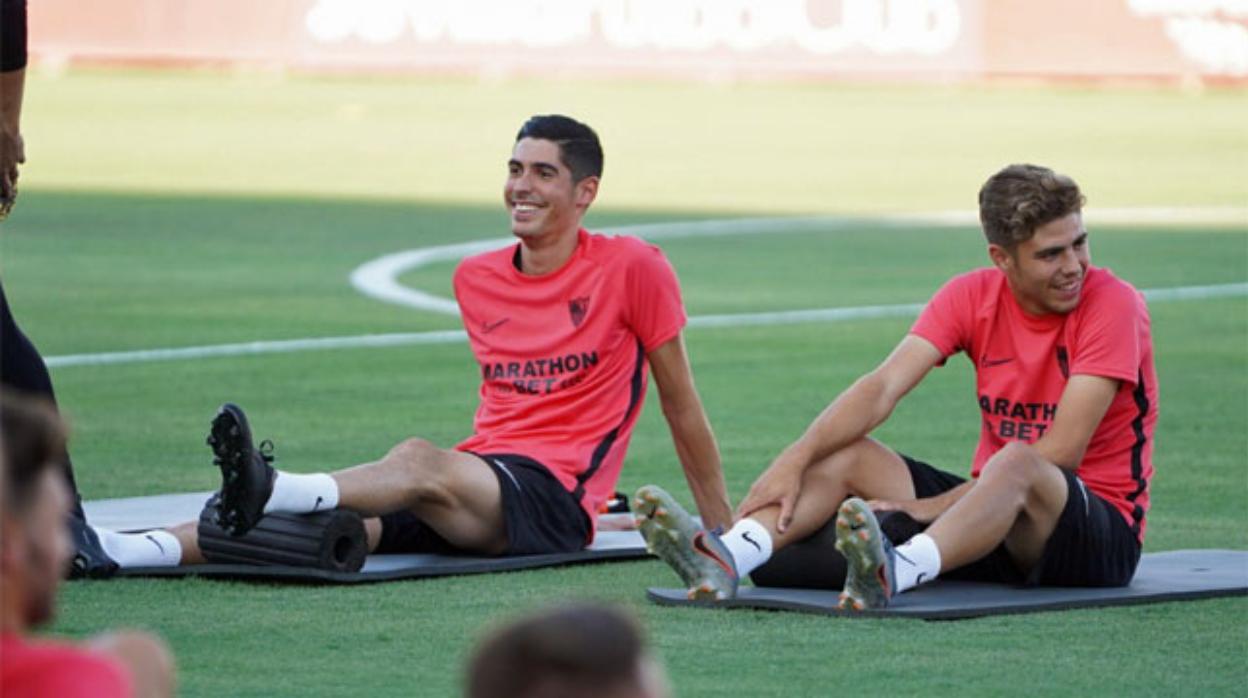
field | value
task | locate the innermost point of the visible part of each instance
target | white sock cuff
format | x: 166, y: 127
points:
x: 927, y: 547
x: 169, y: 546
x: 917, y: 562
x: 296, y: 493
x: 750, y: 544
x: 156, y: 548
x: 752, y: 530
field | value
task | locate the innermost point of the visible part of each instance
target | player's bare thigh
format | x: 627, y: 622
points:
x: 455, y: 493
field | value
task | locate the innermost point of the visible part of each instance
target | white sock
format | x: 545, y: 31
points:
x: 750, y: 545
x: 302, y: 494
x: 918, y: 562
x: 155, y: 548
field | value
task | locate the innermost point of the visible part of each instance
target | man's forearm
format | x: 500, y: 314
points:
x: 948, y: 498
x: 12, y: 147
x: 12, y: 86
x: 852, y: 416
x: 699, y: 457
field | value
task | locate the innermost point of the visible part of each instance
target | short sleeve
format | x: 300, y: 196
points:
x: 71, y: 672
x: 1108, y: 336
x: 946, y: 321
x: 12, y: 35
x: 654, y: 311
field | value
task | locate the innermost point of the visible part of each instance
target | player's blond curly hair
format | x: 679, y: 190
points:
x: 1020, y: 198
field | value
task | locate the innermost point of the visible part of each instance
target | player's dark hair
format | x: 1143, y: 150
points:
x: 579, y: 148
x: 1020, y: 198
x: 32, y: 439
x: 574, y: 651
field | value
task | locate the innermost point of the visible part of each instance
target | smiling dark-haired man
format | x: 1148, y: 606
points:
x: 566, y: 326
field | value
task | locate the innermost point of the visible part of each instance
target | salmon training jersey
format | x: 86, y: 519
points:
x: 563, y: 355
x: 1022, y: 363
x: 34, y: 668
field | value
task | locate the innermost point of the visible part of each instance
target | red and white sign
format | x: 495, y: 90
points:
x: 819, y: 39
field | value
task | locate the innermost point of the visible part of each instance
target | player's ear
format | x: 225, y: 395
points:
x: 1002, y: 258
x: 586, y: 191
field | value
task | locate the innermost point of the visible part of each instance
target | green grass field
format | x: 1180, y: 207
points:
x: 172, y: 209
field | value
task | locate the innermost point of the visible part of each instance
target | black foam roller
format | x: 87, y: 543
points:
x: 329, y: 540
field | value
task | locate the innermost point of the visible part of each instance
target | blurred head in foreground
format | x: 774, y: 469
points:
x: 567, y: 652
x: 34, y: 501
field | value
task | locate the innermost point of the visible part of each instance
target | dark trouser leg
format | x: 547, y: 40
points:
x: 22, y: 369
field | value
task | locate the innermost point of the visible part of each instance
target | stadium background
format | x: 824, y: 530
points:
x: 208, y: 173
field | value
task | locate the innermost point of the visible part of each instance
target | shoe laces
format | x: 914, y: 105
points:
x: 265, y: 449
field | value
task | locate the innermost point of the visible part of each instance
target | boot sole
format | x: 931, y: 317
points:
x: 859, y: 539
x: 671, y: 534
x: 233, y: 452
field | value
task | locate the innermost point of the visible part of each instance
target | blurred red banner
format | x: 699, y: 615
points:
x: 1166, y: 40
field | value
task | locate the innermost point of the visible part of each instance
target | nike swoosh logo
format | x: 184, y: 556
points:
x: 989, y: 363
x: 317, y: 506
x: 919, y: 579
x: 488, y: 327
x: 699, y: 544
x: 156, y: 543
x: 746, y: 537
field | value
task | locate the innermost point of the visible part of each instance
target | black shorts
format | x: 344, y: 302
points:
x: 540, y: 515
x: 1091, y: 546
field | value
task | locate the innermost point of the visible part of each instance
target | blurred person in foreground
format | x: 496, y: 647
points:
x: 1068, y: 400
x: 21, y: 367
x: 34, y: 550
x: 579, y: 651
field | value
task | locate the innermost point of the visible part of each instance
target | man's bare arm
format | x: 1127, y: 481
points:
x: 1083, y: 405
x: 851, y: 416
x: 12, y: 147
x: 691, y: 432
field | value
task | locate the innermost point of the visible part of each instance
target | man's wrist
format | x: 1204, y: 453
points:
x: 12, y: 85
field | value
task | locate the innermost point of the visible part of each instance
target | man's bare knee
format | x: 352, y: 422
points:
x: 860, y: 469
x: 426, y: 470
x: 845, y: 462
x: 1014, y: 472
x: 412, y: 450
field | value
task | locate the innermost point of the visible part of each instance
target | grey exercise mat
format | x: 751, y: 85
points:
x: 142, y: 513
x: 1169, y: 576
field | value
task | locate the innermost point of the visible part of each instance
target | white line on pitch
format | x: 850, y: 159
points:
x: 784, y: 317
x: 379, y: 278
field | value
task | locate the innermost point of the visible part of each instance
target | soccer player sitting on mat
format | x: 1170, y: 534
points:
x: 565, y: 326
x: 1068, y: 401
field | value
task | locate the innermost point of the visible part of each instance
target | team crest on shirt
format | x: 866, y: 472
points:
x: 577, y: 307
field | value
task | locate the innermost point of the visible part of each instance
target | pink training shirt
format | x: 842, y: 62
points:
x: 563, y: 355
x: 1022, y: 363
x: 37, y: 668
